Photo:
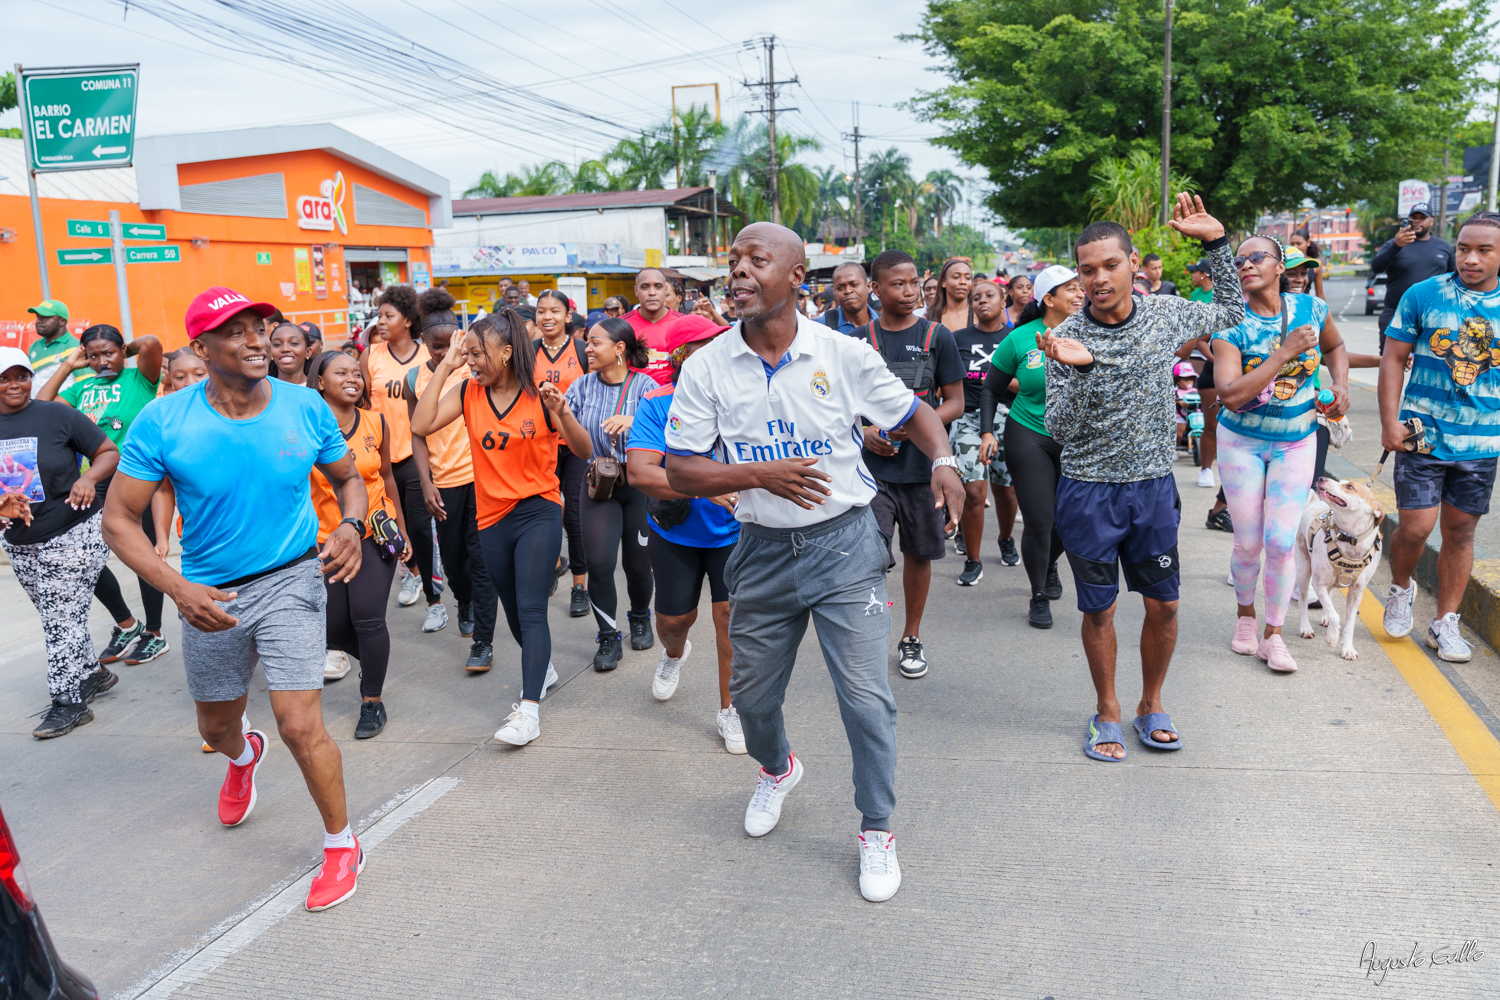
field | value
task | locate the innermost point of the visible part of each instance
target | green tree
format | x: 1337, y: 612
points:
x: 694, y: 136
x: 945, y: 190
x: 8, y: 101
x: 1129, y: 190
x: 797, y: 185
x: 537, y: 179
x: 1274, y: 101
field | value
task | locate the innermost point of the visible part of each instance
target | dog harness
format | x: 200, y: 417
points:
x: 1348, y: 566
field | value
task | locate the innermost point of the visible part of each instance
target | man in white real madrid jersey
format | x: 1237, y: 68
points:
x: 786, y: 397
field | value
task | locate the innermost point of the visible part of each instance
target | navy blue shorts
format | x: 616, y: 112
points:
x: 1422, y: 481
x: 1105, y: 524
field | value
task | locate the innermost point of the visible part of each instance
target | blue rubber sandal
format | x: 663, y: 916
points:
x: 1150, y: 723
x: 1103, y: 732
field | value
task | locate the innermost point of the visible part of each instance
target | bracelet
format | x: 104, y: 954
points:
x: 947, y: 460
x: 359, y: 525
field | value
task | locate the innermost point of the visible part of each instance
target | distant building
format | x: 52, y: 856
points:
x: 1335, y: 230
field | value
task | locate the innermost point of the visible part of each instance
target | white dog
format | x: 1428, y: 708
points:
x: 1338, y: 545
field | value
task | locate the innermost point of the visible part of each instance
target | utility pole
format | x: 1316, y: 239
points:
x: 1166, y: 122
x: 1443, y: 196
x: 771, y: 83
x: 859, y: 215
x: 1494, y: 150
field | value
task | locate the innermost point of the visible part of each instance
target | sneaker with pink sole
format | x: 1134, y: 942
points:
x: 1273, y: 650
x: 1244, y: 641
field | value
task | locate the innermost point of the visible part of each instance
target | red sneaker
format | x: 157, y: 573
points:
x: 339, y: 877
x: 237, y: 797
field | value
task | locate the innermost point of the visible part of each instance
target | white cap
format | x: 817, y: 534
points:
x: 1050, y: 278
x: 14, y: 357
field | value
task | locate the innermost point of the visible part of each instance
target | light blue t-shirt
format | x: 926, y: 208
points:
x: 241, y: 485
x: 708, y: 526
x: 1454, y: 385
x: 1285, y: 411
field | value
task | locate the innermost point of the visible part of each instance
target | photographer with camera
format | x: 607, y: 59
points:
x: 1412, y: 255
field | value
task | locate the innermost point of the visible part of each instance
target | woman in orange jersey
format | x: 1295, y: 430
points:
x: 514, y: 427
x: 384, y: 367
x: 356, y: 607
x: 447, y: 471
x: 560, y: 359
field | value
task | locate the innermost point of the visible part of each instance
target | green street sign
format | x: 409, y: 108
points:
x: 94, y: 229
x: 91, y: 255
x: 153, y: 255
x: 80, y: 118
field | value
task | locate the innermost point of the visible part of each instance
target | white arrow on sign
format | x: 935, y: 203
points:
x: 108, y: 150
x: 95, y: 255
x: 137, y: 229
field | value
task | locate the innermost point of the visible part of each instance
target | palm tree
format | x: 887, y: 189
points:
x: 945, y: 190
x: 889, y: 192
x: 797, y: 185
x: 694, y: 136
x: 644, y: 161
x: 490, y: 185
x: 1128, y: 191
x: 537, y: 179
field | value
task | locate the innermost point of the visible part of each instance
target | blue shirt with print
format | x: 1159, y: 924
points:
x: 241, y: 485
x: 1285, y: 411
x: 1454, y: 385
x: 708, y: 526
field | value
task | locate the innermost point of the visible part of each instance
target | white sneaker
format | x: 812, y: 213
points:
x: 437, y: 617
x: 1206, y: 479
x: 335, y: 664
x: 764, y: 810
x: 519, y: 729
x: 879, y: 872
x: 730, y: 729
x: 1443, y: 635
x: 551, y: 679
x: 1397, y: 617
x: 669, y: 672
x: 411, y: 589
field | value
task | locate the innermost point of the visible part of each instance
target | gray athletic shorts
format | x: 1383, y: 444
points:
x: 282, y: 623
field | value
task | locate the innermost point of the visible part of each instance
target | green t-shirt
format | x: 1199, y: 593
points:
x: 1020, y: 358
x: 112, y: 403
x: 46, y: 356
x: 1200, y: 295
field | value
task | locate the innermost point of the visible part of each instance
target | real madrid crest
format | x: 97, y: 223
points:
x: 820, y: 384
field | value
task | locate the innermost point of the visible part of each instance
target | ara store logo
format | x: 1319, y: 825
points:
x: 315, y: 212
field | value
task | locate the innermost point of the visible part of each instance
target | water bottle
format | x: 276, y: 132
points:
x: 1325, y: 400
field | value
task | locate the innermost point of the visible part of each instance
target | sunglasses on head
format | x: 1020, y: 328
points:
x: 1254, y: 257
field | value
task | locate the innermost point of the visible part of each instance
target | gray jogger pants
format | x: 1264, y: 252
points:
x: 834, y: 573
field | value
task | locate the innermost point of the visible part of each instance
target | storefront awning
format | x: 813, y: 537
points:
x: 375, y: 255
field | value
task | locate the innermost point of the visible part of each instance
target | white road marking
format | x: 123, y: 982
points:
x: 273, y: 910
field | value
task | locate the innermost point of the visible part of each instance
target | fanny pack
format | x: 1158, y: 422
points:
x: 604, y: 471
x: 668, y: 514
x: 387, y: 535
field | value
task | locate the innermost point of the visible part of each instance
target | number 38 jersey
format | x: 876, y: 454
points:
x: 387, y: 374
x: 515, y: 452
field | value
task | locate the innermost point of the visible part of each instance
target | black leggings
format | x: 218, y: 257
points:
x: 607, y: 526
x: 356, y: 617
x: 107, y: 589
x: 1035, y: 463
x: 520, y: 552
x: 463, y: 560
x: 571, y: 469
x: 418, y: 521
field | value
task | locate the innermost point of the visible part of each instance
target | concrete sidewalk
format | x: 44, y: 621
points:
x: 1309, y: 819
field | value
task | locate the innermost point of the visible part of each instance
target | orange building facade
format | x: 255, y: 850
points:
x: 292, y: 215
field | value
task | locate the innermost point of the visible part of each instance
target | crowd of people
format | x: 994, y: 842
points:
x: 780, y: 458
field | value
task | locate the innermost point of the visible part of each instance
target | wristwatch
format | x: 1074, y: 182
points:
x: 359, y: 526
x: 947, y: 460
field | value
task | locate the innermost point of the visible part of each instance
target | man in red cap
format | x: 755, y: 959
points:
x: 238, y: 448
x: 691, y: 537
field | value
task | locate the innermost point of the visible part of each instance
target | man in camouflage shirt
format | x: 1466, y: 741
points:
x: 1111, y: 404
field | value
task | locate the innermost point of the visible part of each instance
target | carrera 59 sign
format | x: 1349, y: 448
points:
x: 325, y: 211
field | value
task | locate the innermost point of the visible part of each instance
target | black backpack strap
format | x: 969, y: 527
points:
x: 831, y: 318
x: 583, y: 358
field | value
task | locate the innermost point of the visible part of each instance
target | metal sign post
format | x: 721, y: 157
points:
x: 122, y: 287
x: 36, y: 204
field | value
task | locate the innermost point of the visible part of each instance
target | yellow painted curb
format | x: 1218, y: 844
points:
x: 1476, y: 745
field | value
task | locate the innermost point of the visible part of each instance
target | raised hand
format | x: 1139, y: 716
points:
x: 1190, y: 219
x: 454, y: 359
x: 1063, y: 350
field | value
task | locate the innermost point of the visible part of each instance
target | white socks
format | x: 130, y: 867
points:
x: 246, y: 756
x: 530, y: 709
x: 334, y: 841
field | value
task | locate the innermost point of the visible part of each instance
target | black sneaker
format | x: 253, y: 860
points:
x: 1008, y: 554
x: 63, y: 717
x: 1052, y: 588
x: 147, y: 649
x: 1220, y: 522
x: 1040, y: 615
x: 958, y: 544
x: 558, y: 572
x: 371, y: 719
x: 972, y: 574
x: 578, y: 604
x: 913, y: 662
x: 465, y: 618
x: 120, y: 640
x: 608, y: 656
x: 641, y: 636
x: 97, y: 683
x: 481, y: 657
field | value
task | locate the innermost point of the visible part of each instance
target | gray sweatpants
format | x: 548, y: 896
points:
x: 833, y: 572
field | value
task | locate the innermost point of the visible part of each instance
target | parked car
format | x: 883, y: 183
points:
x: 1375, y: 293
x: 30, y: 968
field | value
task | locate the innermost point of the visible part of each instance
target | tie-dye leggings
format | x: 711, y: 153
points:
x: 1266, y: 484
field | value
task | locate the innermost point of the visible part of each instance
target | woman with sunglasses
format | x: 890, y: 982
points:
x: 1266, y: 370
x: 356, y: 607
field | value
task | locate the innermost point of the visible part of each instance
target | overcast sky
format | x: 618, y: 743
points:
x: 566, y: 51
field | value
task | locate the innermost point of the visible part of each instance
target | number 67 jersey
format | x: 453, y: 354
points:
x: 515, y: 451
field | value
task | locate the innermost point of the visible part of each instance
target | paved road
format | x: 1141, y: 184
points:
x: 1308, y: 816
